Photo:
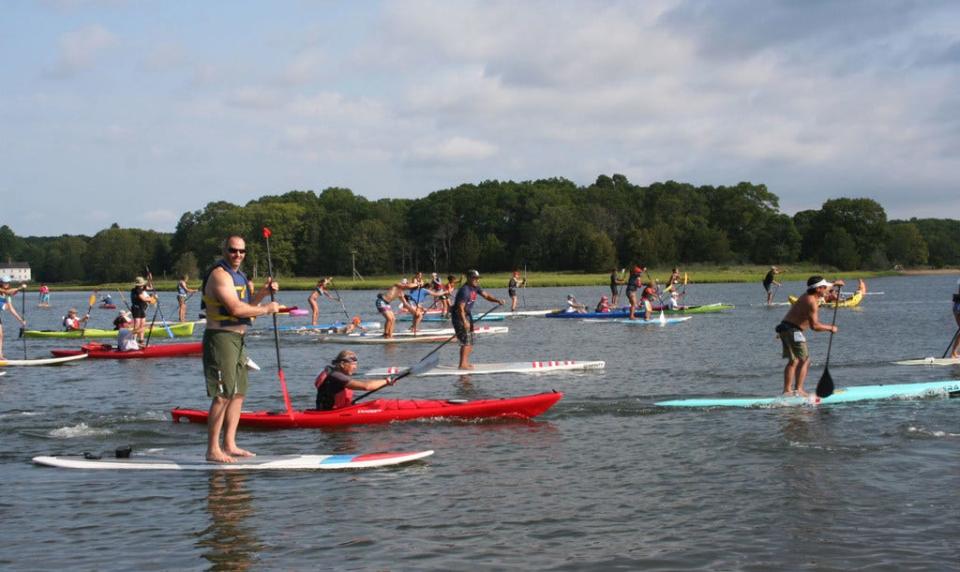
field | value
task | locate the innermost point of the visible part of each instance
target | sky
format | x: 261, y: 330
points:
x: 135, y: 112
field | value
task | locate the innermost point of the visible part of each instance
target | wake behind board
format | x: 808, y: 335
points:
x: 929, y: 361
x: 42, y: 361
x: 258, y: 463
x: 526, y: 367
x: 843, y: 395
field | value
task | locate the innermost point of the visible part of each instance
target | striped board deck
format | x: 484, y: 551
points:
x: 258, y: 463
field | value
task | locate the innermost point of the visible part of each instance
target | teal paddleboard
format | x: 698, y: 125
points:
x: 842, y: 395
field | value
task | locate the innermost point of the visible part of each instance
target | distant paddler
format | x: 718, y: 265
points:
x: 462, y: 316
x: 6, y: 303
x: 44, y: 296
x: 956, y: 317
x: 574, y: 307
x: 770, y: 280
x: 673, y: 302
x: 634, y: 283
x: 321, y: 289
x: 183, y: 292
x: 615, y: 282
x: 603, y: 306
x: 514, y: 283
x: 802, y: 315
x: 673, y: 281
x: 139, y: 300
x: 72, y: 323
x: 231, y: 304
x: 384, y: 299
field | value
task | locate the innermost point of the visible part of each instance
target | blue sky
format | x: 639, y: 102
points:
x: 135, y: 112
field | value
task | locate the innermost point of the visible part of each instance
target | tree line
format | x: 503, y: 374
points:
x: 546, y: 225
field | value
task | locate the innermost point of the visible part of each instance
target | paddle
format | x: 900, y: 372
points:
x: 276, y: 332
x: 146, y: 344
x: 23, y: 316
x: 421, y: 366
x: 340, y: 299
x: 92, y: 300
x: 157, y: 295
x: 523, y: 288
x: 825, y: 385
x: 947, y: 351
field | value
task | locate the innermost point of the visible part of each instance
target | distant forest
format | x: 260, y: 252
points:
x: 545, y: 225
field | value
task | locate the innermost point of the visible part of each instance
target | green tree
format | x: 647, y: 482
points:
x: 905, y: 245
x: 840, y: 250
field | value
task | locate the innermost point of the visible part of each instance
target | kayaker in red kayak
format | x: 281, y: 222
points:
x: 335, y: 383
x: 230, y: 303
x: 126, y: 340
x: 6, y: 303
x: 802, y: 315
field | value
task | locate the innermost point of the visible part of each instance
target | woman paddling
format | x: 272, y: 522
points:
x: 335, y: 384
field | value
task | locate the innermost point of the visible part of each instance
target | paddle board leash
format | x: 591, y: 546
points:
x: 276, y: 332
x: 423, y: 364
x: 825, y: 385
x: 945, y: 352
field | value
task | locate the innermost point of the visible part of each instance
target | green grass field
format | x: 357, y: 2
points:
x: 696, y: 274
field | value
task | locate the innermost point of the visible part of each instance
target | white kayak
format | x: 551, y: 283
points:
x: 527, y: 367
x: 258, y: 463
x: 929, y: 361
x: 420, y: 336
x: 41, y: 361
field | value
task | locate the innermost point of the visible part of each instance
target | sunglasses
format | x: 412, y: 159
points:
x: 237, y: 250
x: 349, y: 359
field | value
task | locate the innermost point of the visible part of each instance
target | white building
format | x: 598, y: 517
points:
x: 17, y: 271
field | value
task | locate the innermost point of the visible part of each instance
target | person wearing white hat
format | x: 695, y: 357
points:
x: 802, y: 315
x: 126, y: 340
x: 6, y: 303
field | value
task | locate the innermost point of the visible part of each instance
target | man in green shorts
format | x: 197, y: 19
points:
x: 802, y: 315
x: 231, y: 304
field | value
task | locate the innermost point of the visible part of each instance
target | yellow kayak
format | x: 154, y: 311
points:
x: 850, y: 302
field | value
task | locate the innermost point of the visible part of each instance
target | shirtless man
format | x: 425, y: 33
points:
x: 230, y: 303
x: 801, y: 316
x: 392, y: 293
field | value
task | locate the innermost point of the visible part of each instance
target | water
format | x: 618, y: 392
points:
x: 603, y: 481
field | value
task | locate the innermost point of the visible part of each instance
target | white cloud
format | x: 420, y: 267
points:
x: 80, y: 49
x: 454, y: 149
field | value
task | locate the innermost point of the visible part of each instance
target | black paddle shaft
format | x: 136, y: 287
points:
x: 825, y: 385
x: 945, y: 352
x: 276, y: 332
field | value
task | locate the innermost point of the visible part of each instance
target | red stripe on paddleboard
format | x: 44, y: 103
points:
x: 378, y: 456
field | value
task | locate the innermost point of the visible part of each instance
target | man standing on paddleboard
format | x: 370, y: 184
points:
x: 6, y: 303
x: 463, y: 316
x: 230, y: 304
x: 801, y: 316
x: 956, y: 316
x: 770, y: 280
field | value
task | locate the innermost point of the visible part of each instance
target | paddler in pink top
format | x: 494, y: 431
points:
x: 230, y: 304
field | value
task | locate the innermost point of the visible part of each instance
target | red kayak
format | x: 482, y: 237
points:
x: 387, y: 410
x: 108, y: 306
x: 106, y: 351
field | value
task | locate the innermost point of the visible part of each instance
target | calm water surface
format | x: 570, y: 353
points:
x: 605, y: 480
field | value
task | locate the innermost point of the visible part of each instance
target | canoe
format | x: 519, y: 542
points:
x: 929, y: 361
x: 527, y: 367
x: 41, y: 361
x: 387, y: 410
x: 851, y: 302
x: 625, y: 312
x: 258, y: 463
x: 843, y: 395
x: 103, y: 351
x: 421, y: 336
x: 180, y: 330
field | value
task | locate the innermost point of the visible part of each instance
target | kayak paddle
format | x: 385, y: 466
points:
x: 92, y: 300
x: 950, y: 345
x: 825, y: 385
x: 23, y: 316
x: 276, y: 331
x: 426, y: 364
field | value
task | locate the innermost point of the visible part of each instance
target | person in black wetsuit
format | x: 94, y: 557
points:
x: 770, y: 280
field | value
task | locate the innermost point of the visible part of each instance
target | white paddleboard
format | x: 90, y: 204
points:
x: 527, y: 367
x: 521, y: 313
x: 258, y: 463
x: 929, y: 361
x: 41, y: 361
x: 420, y: 336
x: 3, y: 373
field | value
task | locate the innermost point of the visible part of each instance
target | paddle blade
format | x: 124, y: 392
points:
x: 92, y: 299
x: 825, y: 385
x: 266, y: 232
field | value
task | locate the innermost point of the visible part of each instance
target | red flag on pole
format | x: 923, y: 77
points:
x: 266, y: 232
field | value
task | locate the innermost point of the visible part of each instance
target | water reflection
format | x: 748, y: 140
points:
x: 229, y: 543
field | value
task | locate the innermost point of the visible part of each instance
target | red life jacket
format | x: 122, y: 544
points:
x: 342, y: 398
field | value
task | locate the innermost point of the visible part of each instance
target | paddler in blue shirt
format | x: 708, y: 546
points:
x: 231, y: 304
x: 802, y: 315
x: 463, y: 316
